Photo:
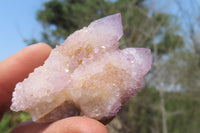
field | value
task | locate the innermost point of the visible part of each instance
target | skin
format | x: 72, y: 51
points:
x: 17, y: 67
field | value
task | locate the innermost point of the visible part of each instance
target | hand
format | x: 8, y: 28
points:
x: 17, y: 67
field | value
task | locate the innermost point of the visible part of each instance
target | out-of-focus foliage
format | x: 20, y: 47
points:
x: 182, y: 71
x: 11, y: 119
x: 169, y: 42
x: 62, y: 17
x: 142, y: 113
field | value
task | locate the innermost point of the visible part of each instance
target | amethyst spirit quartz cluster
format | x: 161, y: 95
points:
x: 87, y: 75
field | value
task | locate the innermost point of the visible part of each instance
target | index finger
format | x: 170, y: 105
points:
x: 17, y: 67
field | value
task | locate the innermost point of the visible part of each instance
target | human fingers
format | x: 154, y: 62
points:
x: 75, y: 124
x: 17, y: 67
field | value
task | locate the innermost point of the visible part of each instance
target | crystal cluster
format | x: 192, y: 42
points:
x: 87, y: 75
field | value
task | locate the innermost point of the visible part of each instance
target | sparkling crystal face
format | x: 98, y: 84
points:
x: 87, y: 75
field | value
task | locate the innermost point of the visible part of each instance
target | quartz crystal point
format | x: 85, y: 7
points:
x: 87, y: 75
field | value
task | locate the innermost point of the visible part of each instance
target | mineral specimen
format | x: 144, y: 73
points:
x: 87, y: 75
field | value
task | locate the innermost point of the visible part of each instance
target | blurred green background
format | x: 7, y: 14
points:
x: 169, y: 100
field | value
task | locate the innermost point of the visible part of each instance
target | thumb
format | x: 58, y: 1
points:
x: 68, y: 125
x: 76, y: 125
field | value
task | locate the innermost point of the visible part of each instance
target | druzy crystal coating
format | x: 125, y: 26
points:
x: 87, y: 75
